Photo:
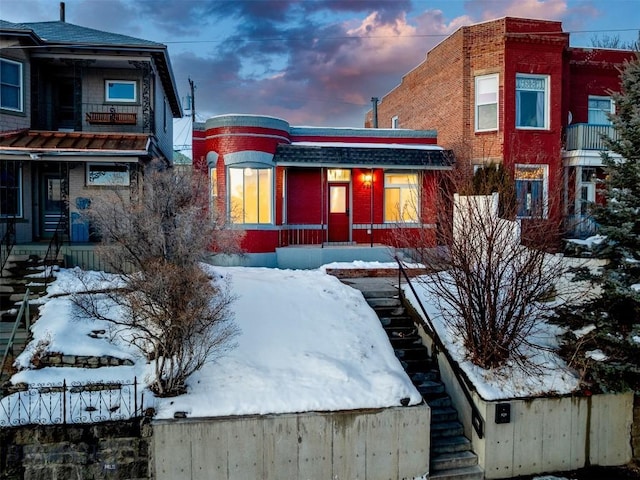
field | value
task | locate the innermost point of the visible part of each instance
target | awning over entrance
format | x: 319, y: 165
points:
x: 351, y: 156
x: 49, y: 143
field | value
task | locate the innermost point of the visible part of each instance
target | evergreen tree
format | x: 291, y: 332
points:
x: 609, y: 355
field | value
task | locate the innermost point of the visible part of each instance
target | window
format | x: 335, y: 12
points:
x: 108, y: 174
x: 250, y: 195
x: 401, y: 197
x: 120, y: 91
x: 10, y: 85
x: 531, y: 190
x: 10, y: 189
x: 532, y: 101
x: 487, y: 103
x: 338, y: 175
x: 599, y: 107
x: 394, y: 122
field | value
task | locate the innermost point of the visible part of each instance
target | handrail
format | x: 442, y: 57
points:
x: 54, y: 248
x: 24, y: 310
x: 7, y: 242
x: 476, y: 417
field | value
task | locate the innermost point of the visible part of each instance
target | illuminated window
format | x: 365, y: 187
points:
x: 11, y: 84
x: 531, y: 190
x: 108, y: 174
x: 532, y: 101
x: 338, y: 175
x: 487, y: 102
x: 120, y: 91
x: 250, y: 195
x: 401, y: 197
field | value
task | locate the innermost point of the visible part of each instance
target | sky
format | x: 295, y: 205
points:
x: 330, y: 351
x: 310, y: 62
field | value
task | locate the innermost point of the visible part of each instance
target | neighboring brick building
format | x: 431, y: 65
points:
x: 512, y: 91
x: 300, y: 186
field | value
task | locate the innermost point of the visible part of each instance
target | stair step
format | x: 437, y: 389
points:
x: 380, y: 292
x: 467, y: 473
x: 449, y: 461
x: 383, y: 302
x: 418, y: 352
x: 390, y: 322
x: 430, y: 388
x: 450, y: 444
x: 414, y: 366
x: 446, y: 429
x: 443, y: 414
x: 431, y: 375
x: 405, y: 342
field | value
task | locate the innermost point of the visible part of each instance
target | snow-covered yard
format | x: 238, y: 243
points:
x: 307, y: 343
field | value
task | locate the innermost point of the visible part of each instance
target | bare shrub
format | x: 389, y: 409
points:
x: 171, y: 310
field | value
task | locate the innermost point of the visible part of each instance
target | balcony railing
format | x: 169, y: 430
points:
x: 583, y: 136
x: 94, y: 117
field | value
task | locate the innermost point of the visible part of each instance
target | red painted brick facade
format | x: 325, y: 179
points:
x: 440, y: 94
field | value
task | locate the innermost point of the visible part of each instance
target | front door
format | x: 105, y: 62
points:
x: 338, y: 212
x: 52, y: 202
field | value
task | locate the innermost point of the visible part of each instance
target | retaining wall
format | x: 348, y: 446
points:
x: 390, y: 443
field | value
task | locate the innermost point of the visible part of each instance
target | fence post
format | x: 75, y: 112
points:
x: 64, y: 401
x: 135, y: 396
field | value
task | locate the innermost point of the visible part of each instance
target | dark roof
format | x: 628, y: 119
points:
x: 63, y: 34
x: 74, y: 143
x: 385, y: 157
x: 67, y: 33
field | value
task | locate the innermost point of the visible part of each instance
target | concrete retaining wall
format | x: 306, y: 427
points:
x: 388, y: 443
x: 545, y: 434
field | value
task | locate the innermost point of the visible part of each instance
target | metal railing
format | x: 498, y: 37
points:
x: 438, y: 346
x: 55, y: 244
x: 580, y: 226
x: 584, y: 136
x: 23, y: 312
x: 301, y: 235
x: 7, y: 242
x: 74, y: 403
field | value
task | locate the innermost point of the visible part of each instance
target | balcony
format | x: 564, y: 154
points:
x: 583, y: 136
x: 93, y: 117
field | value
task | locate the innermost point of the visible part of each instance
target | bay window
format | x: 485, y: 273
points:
x: 401, y: 197
x: 532, y: 101
x: 250, y: 197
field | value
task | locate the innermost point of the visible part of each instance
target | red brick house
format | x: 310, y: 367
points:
x: 342, y: 190
x: 512, y: 91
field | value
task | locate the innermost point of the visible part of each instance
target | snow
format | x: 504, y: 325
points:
x: 597, y: 355
x: 581, y: 332
x: 588, y: 242
x: 512, y: 380
x: 307, y: 343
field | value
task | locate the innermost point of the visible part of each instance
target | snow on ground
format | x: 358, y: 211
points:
x: 307, y: 343
x: 511, y: 381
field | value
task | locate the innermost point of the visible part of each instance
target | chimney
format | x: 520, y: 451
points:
x: 374, y: 100
x: 62, y: 12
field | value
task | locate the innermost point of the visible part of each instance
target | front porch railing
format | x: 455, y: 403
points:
x: 580, y: 226
x: 301, y: 235
x: 584, y: 136
x: 7, y: 242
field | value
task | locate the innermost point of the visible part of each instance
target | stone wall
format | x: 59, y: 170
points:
x: 113, y: 450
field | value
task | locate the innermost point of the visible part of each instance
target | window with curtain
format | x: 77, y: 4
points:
x: 531, y: 191
x: 10, y: 85
x: 401, y: 197
x: 532, y: 101
x: 599, y: 107
x: 486, y: 96
x: 250, y: 197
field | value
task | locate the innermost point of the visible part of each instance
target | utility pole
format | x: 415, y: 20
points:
x: 192, y: 87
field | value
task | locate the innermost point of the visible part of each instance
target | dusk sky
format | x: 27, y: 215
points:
x: 311, y: 62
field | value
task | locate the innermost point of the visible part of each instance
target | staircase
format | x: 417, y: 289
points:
x: 20, y: 273
x: 451, y: 456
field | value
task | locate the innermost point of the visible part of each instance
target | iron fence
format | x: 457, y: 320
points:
x: 71, y: 403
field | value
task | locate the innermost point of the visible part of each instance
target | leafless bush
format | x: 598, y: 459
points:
x: 176, y: 315
x: 490, y: 288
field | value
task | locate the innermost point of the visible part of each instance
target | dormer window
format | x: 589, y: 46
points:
x: 121, y: 91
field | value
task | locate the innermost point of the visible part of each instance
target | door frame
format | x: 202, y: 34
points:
x: 331, y: 226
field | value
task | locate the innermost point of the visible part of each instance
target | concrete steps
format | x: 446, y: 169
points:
x: 451, y: 457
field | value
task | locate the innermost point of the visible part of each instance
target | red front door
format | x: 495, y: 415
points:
x: 339, y: 212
